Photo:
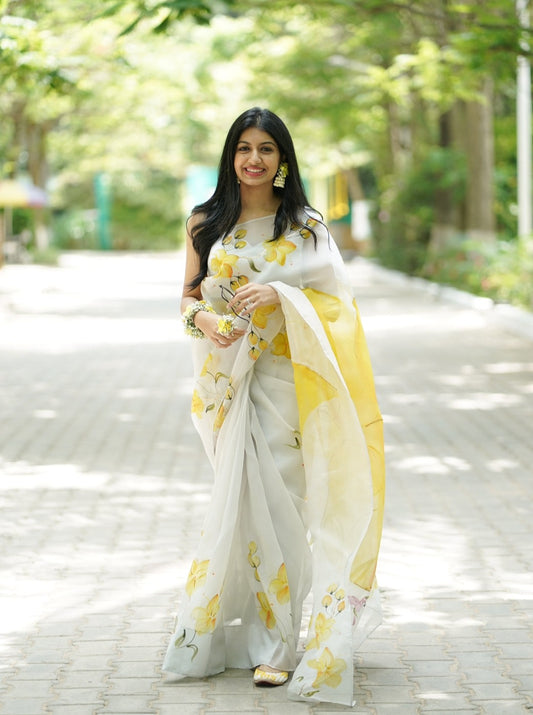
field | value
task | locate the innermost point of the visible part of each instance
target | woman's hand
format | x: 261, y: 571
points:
x: 251, y: 296
x: 208, y: 324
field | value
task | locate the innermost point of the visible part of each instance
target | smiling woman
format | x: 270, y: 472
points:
x: 257, y: 158
x: 285, y: 405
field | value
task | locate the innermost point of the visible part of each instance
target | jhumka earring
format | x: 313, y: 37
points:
x: 281, y: 175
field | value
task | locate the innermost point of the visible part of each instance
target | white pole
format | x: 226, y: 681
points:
x: 523, y: 130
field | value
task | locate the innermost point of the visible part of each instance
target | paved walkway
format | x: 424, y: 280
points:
x: 103, y: 487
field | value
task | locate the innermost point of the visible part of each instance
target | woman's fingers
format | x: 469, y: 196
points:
x: 251, y: 296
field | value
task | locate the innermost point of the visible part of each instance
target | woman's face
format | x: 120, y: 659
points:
x: 257, y: 158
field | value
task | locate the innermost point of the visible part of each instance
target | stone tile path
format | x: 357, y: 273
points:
x: 103, y: 486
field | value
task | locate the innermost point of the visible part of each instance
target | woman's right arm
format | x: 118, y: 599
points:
x: 207, y: 322
x: 192, y: 268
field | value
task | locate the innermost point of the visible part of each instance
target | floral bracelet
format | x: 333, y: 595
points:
x: 188, y: 317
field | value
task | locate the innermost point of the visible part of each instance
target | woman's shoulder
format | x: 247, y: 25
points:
x: 310, y: 212
x: 314, y: 220
x: 195, y: 219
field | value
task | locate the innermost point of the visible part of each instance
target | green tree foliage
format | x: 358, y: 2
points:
x: 143, y: 88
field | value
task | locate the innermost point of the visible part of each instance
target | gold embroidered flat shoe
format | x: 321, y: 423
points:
x: 267, y: 678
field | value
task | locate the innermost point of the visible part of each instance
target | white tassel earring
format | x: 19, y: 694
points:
x: 281, y: 175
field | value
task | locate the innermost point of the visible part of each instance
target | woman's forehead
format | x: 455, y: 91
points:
x: 254, y: 135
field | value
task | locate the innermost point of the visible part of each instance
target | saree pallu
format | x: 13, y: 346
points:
x: 289, y: 420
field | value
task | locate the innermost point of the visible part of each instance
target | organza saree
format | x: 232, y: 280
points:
x: 289, y: 419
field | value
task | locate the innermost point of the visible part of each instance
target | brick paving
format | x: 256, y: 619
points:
x: 103, y: 487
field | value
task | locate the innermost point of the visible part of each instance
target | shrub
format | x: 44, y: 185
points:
x: 502, y: 271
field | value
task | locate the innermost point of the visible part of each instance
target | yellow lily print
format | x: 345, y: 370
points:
x: 206, y: 618
x: 253, y: 558
x: 323, y: 627
x: 260, y: 315
x: 278, y: 250
x: 207, y: 365
x: 329, y: 669
x: 197, y: 404
x: 266, y: 613
x: 222, y: 263
x: 220, y: 417
x: 280, y: 345
x: 197, y: 576
x: 279, y: 586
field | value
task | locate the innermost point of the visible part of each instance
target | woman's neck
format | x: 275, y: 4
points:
x: 256, y: 204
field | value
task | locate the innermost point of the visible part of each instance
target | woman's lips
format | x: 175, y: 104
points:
x: 254, y: 172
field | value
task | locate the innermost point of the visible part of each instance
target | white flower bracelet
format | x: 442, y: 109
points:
x: 188, y: 317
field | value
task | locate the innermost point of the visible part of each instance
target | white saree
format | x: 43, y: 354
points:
x: 289, y: 420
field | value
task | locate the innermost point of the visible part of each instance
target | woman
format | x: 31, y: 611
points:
x: 285, y: 405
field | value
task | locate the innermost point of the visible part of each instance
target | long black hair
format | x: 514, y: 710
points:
x: 221, y: 211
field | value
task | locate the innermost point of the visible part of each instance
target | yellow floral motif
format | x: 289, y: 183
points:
x: 207, y: 364
x: 323, y: 627
x: 255, y: 340
x: 237, y: 282
x: 197, y: 405
x: 279, y: 586
x: 280, y: 345
x: 327, y: 600
x: 220, y: 417
x: 222, y: 263
x: 332, y: 588
x: 278, y: 250
x: 260, y: 315
x: 206, y: 618
x: 197, y: 576
x: 339, y: 594
x: 266, y: 613
x: 329, y: 669
x: 311, y: 222
x: 239, y: 235
x: 253, y: 558
x: 257, y: 344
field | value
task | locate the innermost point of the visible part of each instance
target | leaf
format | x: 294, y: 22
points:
x: 180, y: 640
x: 253, y: 267
x: 310, y: 693
x: 218, y: 375
x: 129, y: 28
x: 164, y: 24
x: 111, y: 10
x: 195, y: 648
x: 210, y: 407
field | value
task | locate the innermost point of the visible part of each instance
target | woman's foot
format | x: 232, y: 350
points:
x: 265, y: 675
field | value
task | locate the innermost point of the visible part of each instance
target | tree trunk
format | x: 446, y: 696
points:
x: 479, y: 208
x: 447, y: 218
x: 38, y: 169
